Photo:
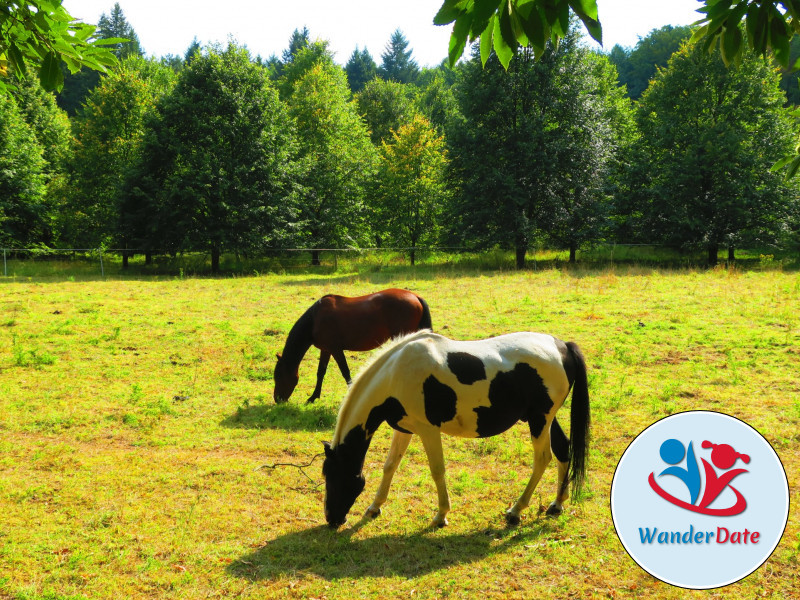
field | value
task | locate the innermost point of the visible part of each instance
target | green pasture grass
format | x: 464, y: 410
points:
x: 137, y: 432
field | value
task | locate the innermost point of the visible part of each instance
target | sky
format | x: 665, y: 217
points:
x: 265, y: 26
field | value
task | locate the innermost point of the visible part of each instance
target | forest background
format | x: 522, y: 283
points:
x: 218, y: 151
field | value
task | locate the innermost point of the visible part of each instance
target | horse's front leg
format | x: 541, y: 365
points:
x: 541, y: 457
x: 400, y: 443
x: 432, y: 441
x: 340, y: 359
x: 324, y: 357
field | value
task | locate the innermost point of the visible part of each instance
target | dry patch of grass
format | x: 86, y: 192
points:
x: 136, y: 418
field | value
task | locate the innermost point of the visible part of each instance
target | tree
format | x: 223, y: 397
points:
x: 216, y: 165
x: 298, y: 41
x: 338, y: 157
x: 435, y: 98
x: 637, y: 67
x: 709, y: 136
x: 396, y: 62
x: 303, y: 61
x: 385, y: 106
x: 41, y: 34
x: 412, y: 184
x: 108, y: 136
x: 528, y: 147
x: 595, y: 120
x: 360, y: 69
x: 116, y: 26
x: 24, y: 215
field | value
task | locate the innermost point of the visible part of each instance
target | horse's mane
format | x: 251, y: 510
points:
x: 365, y: 374
x: 299, y: 339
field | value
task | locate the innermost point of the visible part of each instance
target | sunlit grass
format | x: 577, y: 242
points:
x: 136, y: 428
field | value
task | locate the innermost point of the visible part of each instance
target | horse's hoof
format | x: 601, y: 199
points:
x: 439, y: 522
x: 512, y: 519
x: 311, y: 400
x: 373, y: 513
x: 553, y: 510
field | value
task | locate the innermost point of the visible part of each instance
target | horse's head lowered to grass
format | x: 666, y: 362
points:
x: 285, y: 379
x: 344, y: 482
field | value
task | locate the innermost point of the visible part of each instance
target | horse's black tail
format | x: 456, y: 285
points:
x: 425, y: 321
x: 579, y: 421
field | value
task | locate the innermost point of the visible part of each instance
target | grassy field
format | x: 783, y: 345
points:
x: 136, y: 425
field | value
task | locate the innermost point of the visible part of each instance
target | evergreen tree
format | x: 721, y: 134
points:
x: 397, y: 64
x: 413, y: 192
x: 638, y: 66
x: 339, y: 159
x: 108, y: 135
x: 115, y: 25
x: 216, y: 168
x: 298, y: 41
x: 528, y: 149
x: 386, y: 106
x: 700, y: 173
x: 360, y: 69
x: 24, y: 215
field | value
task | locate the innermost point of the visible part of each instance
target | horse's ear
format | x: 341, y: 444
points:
x: 278, y: 355
x: 328, y: 450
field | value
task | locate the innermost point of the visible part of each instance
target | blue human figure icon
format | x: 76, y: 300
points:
x: 672, y: 453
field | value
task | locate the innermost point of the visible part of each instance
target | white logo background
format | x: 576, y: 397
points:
x: 635, y: 506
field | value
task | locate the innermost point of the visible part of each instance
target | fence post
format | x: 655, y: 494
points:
x: 102, y: 270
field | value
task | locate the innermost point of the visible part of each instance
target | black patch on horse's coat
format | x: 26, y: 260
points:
x: 467, y: 368
x: 559, y: 443
x: 440, y: 401
x: 519, y: 394
x: 390, y: 411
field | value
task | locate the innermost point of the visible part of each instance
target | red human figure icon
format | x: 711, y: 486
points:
x: 724, y: 457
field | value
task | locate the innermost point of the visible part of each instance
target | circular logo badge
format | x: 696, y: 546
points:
x: 700, y: 500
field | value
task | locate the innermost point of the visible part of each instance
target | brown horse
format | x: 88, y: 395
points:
x: 338, y: 323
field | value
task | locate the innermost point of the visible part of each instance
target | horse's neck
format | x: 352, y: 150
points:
x: 299, y: 339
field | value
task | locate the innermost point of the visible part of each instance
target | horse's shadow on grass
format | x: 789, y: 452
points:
x: 332, y: 555
x: 286, y: 416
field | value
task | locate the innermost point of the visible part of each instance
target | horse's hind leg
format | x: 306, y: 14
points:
x: 340, y: 359
x: 398, y: 448
x: 541, y: 457
x: 324, y: 357
x: 559, y: 444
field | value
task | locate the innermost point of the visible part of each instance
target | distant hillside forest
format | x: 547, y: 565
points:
x: 220, y: 151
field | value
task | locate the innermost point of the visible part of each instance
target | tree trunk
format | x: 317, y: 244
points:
x: 215, y: 260
x: 573, y: 249
x: 315, y: 262
x: 521, y: 250
x: 412, y: 256
x: 124, y: 261
x: 148, y: 258
x: 731, y: 257
x: 713, y: 250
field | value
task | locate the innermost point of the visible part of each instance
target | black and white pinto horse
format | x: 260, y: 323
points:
x: 427, y: 384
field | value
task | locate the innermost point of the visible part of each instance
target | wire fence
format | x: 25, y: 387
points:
x: 115, y: 261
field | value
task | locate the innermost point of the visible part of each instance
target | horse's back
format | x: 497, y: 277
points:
x: 477, y: 388
x: 365, y: 322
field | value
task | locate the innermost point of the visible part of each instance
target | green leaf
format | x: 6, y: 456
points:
x: 448, y: 13
x: 501, y: 48
x: 585, y: 7
x: 792, y: 171
x: 16, y: 59
x: 486, y: 41
x: 50, y: 74
x: 536, y: 30
x: 779, y: 38
x: 458, y: 39
x: 731, y: 46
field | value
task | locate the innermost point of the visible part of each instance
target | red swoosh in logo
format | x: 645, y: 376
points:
x: 737, y: 508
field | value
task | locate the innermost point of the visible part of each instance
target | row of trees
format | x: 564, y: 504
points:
x: 223, y: 152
